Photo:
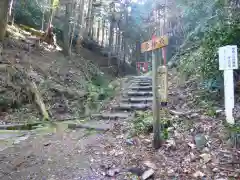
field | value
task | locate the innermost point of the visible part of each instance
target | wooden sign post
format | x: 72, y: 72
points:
x: 151, y: 45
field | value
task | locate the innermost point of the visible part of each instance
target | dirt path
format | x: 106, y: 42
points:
x: 70, y: 154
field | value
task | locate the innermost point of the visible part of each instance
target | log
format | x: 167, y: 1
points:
x: 38, y: 100
x: 18, y: 126
x: 85, y: 126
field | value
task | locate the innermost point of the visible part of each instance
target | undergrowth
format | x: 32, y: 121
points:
x: 143, y: 124
x: 203, y: 60
x: 99, y: 90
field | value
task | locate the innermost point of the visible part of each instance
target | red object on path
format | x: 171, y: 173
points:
x: 142, y: 64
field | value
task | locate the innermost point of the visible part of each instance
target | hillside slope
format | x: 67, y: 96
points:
x: 69, y: 86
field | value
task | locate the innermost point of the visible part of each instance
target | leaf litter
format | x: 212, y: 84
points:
x: 194, y: 151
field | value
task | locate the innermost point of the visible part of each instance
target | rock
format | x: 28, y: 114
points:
x: 215, y: 170
x: 149, y: 164
x: 112, y: 172
x: 206, y: 157
x: 200, y: 141
x: 171, y: 144
x: 47, y: 144
x: 218, y: 111
x: 194, y: 115
x: 193, y: 146
x: 206, y: 149
x: 198, y: 174
x: 18, y: 140
x: 147, y: 174
x: 192, y: 157
x: 136, y: 171
x: 129, y: 141
x: 170, y: 172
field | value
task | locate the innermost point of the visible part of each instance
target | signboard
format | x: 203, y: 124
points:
x: 228, y: 57
x: 228, y: 61
x: 158, y: 43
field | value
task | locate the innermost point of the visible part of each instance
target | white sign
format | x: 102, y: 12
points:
x: 228, y: 61
x: 228, y: 57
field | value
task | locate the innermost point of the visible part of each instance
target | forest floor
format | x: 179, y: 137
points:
x: 64, y: 153
x: 79, y: 154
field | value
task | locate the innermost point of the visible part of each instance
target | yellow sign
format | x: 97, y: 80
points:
x: 159, y: 43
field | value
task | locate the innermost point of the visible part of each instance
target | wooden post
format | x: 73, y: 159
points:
x: 157, y: 140
x: 152, y: 45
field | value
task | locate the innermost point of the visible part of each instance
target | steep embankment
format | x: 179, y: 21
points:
x: 69, y: 87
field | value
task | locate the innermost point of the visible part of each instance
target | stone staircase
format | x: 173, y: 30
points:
x: 137, y: 96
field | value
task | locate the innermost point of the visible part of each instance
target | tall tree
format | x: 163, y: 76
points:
x: 3, y: 18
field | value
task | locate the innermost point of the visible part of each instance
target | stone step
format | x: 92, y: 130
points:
x: 111, y: 116
x: 145, y: 88
x: 142, y: 83
x: 138, y: 93
x: 131, y: 107
x: 99, y: 125
x: 142, y: 77
x: 137, y: 99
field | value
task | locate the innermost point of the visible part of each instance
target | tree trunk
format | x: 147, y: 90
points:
x: 89, y: 15
x: 103, y: 32
x: 43, y: 18
x: 66, y: 29
x: 118, y: 42
x: 138, y: 50
x: 74, y: 26
x: 10, y: 13
x: 110, y: 42
x: 3, y: 18
x: 98, y: 31
x: 80, y: 23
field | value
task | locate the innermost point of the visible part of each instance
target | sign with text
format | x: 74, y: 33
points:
x: 150, y: 45
x: 163, y: 83
x: 228, y: 61
x: 228, y: 57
